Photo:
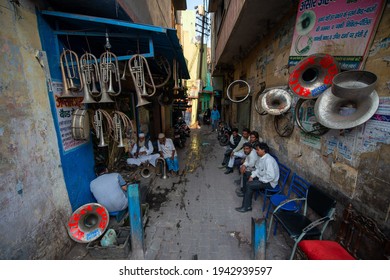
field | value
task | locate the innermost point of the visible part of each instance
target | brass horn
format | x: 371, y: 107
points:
x: 91, y: 75
x: 136, y: 67
x: 234, y: 85
x: 88, y: 222
x: 162, y: 168
x: 276, y: 101
x: 108, y: 68
x: 165, y: 70
x: 70, y: 71
x: 98, y: 125
x: 313, y: 75
x: 146, y: 171
x: 343, y: 113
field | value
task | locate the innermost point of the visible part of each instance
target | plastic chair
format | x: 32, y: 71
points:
x: 298, y: 189
x: 298, y: 225
x: 284, y: 173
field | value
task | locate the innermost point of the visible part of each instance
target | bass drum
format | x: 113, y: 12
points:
x: 80, y: 125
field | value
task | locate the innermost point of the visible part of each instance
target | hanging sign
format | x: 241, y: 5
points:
x: 65, y: 108
x: 343, y: 29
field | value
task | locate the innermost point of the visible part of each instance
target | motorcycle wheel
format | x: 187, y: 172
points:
x: 224, y: 140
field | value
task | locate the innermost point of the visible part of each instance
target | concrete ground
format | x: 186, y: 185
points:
x: 192, y: 216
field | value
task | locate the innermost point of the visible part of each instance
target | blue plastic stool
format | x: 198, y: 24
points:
x: 119, y: 215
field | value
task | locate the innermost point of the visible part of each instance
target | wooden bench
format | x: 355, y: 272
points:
x: 358, y: 238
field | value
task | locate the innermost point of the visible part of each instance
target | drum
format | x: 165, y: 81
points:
x: 80, y: 125
x: 88, y: 223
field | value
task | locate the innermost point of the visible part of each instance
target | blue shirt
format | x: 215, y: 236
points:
x: 215, y: 115
x: 108, y: 192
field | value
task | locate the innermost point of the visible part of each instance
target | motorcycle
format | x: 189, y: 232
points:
x: 224, y: 132
x: 184, y: 127
x: 179, y: 135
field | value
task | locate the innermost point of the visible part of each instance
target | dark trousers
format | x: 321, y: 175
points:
x: 246, y: 175
x: 251, y: 187
x: 226, y: 156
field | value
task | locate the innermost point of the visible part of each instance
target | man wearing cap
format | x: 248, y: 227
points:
x: 142, y: 152
x: 168, y: 152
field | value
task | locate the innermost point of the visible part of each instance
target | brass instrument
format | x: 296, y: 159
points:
x: 165, y: 69
x: 98, y: 125
x: 91, y: 75
x: 276, y: 101
x: 163, y: 167
x: 70, y: 71
x: 136, y: 67
x: 145, y: 171
x: 118, y: 130
x: 121, y: 123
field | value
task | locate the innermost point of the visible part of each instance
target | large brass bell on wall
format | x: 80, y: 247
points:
x: 350, y: 102
x: 313, y: 75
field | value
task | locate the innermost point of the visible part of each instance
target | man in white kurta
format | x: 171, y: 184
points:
x: 142, y: 152
x: 168, y: 152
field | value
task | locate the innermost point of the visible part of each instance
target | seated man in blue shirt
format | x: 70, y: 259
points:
x: 109, y: 189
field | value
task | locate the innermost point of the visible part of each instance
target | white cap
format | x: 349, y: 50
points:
x: 141, y: 135
x: 161, y: 135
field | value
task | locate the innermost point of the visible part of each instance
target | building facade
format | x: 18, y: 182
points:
x: 45, y: 175
x: 252, y: 41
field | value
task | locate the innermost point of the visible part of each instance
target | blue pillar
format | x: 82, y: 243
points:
x: 259, y: 238
x: 136, y: 227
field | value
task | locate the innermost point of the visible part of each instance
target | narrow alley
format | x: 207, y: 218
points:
x: 194, y: 217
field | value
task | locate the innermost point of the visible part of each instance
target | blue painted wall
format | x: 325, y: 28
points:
x: 77, y: 164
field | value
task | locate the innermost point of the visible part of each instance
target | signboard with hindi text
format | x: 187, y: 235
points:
x: 342, y: 28
x: 65, y: 107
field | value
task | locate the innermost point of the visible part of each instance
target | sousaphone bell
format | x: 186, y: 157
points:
x: 88, y: 222
x: 350, y: 102
x: 276, y: 101
x: 313, y: 75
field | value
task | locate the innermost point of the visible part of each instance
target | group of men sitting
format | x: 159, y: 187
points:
x: 109, y: 189
x: 259, y: 170
x: 142, y: 153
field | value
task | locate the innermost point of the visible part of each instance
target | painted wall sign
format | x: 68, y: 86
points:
x: 343, y: 29
x: 65, y: 108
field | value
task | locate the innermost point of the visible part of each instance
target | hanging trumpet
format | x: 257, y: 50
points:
x: 91, y: 75
x: 122, y: 123
x: 136, y: 67
x: 98, y: 126
x: 70, y: 71
x: 109, y: 71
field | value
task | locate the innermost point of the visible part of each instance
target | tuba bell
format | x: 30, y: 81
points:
x: 313, y: 75
x: 163, y: 168
x: 88, y: 222
x: 145, y: 171
x: 276, y: 101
